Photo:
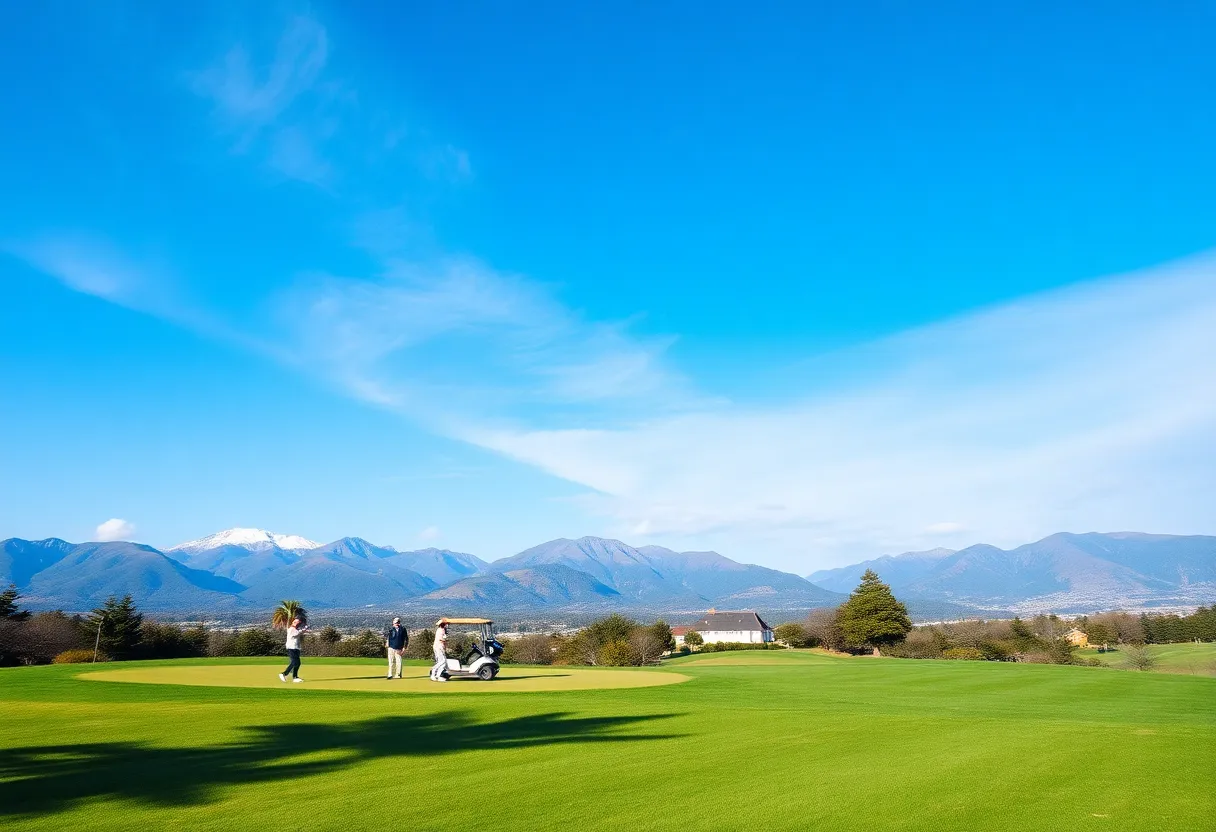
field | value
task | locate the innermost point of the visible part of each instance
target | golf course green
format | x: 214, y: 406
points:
x: 361, y: 677
x: 783, y: 741
x: 1187, y: 657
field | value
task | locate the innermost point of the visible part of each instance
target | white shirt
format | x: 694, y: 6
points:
x: 293, y: 638
x: 441, y: 638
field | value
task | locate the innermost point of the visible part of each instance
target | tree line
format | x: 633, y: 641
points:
x: 118, y: 631
x: 871, y: 620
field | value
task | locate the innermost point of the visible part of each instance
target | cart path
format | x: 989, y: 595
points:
x: 362, y: 677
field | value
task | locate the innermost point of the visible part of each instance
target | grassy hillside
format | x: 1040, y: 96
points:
x: 763, y: 741
x: 1171, y: 658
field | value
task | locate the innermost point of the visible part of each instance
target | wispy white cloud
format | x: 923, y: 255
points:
x: 455, y: 339
x: 286, y: 105
x: 281, y: 107
x: 249, y: 95
x: 95, y: 266
x: 429, y: 533
x: 1087, y: 408
x: 114, y: 529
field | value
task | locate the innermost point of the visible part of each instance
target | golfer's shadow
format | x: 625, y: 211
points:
x: 41, y: 779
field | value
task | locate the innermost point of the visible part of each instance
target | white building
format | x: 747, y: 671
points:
x: 743, y: 626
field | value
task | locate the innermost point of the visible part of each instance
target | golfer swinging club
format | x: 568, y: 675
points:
x: 441, y: 651
x: 297, y: 629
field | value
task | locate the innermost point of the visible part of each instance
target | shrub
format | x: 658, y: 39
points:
x: 219, y: 643
x: 922, y: 643
x: 40, y: 638
x: 793, y: 634
x: 78, y: 657
x: 996, y: 651
x: 587, y: 645
x: 823, y: 629
x: 421, y: 645
x: 663, y: 635
x: 727, y: 646
x: 619, y: 653
x: 529, y: 649
x: 649, y: 643
x: 255, y: 642
x: 167, y: 641
x: 968, y: 654
x: 693, y: 639
x: 1139, y: 658
x: 366, y: 645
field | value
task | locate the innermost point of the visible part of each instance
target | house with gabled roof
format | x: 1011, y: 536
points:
x: 744, y: 626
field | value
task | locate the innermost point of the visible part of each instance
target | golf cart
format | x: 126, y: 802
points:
x: 481, y: 661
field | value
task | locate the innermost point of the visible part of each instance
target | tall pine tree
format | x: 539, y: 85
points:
x: 873, y: 616
x: 121, y: 626
x: 9, y: 611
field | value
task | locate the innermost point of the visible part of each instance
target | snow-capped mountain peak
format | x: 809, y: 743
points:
x: 252, y: 539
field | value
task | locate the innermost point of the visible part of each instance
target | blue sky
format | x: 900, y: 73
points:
x: 800, y: 284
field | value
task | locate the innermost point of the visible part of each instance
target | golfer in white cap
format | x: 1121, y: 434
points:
x: 395, y: 642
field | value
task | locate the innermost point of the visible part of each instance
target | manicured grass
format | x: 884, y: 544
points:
x: 360, y: 677
x: 1171, y: 658
x: 797, y: 741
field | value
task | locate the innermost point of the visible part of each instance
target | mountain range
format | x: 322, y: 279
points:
x: 249, y: 569
x: 1061, y: 573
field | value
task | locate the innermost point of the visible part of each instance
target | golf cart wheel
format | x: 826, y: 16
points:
x: 486, y: 673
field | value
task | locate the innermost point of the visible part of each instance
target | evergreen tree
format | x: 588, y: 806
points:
x: 8, y: 605
x: 873, y: 616
x: 121, y: 626
x: 662, y: 634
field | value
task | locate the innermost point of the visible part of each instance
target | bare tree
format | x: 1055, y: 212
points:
x: 647, y: 644
x: 821, y: 626
x: 1138, y: 657
x: 530, y: 649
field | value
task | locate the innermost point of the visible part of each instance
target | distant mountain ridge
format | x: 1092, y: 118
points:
x: 250, y: 568
x: 247, y: 569
x: 1063, y: 573
x: 86, y: 574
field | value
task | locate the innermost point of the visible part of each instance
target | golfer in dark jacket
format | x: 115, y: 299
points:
x: 395, y: 641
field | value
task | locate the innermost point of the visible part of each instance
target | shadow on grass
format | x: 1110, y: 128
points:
x: 51, y: 778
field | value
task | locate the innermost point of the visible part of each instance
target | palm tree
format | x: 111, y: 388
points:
x: 285, y: 612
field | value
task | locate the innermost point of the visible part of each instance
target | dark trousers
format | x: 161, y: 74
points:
x: 293, y: 664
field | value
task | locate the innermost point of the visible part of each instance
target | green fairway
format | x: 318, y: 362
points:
x: 1199, y: 659
x: 785, y: 741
